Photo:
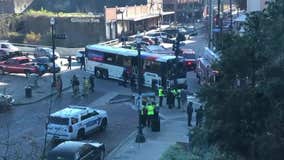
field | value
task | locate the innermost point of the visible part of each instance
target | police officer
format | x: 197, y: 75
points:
x: 178, y: 95
x: 189, y: 111
x: 144, y: 113
x: 161, y: 95
x: 150, y: 114
x: 174, y: 93
x: 86, y: 86
x: 199, y: 116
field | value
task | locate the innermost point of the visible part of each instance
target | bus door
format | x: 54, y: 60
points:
x: 152, y: 80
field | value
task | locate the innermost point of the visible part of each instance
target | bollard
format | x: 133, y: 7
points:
x: 28, y: 92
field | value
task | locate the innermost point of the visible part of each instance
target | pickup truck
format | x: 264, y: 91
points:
x: 19, y: 65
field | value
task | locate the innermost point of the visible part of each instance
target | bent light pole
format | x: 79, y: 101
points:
x: 52, y: 23
x: 140, y: 138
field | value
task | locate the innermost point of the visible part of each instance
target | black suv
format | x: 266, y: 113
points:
x: 72, y: 150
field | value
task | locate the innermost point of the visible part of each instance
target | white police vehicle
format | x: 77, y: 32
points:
x: 74, y: 122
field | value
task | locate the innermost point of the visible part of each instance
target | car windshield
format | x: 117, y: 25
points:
x: 24, y: 61
x: 58, y: 120
x: 189, y: 56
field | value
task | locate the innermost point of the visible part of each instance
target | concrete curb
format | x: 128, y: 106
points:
x: 43, y: 98
x: 121, y: 144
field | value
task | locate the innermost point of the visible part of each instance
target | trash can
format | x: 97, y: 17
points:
x: 155, y: 125
x: 28, y: 91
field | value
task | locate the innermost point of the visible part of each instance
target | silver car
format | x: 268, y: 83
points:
x: 45, y: 52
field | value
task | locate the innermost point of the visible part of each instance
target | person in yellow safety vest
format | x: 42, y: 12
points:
x: 144, y: 113
x: 174, y: 91
x: 179, y: 97
x: 150, y: 114
x: 86, y: 86
x: 161, y: 96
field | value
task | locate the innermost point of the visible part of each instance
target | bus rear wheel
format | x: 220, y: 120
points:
x: 98, y: 73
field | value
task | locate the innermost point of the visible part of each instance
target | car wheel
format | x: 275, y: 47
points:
x: 103, y: 124
x: 81, y: 134
x: 2, y: 72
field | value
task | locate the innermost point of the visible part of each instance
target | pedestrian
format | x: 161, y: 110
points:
x: 83, y: 63
x: 150, y: 114
x: 156, y: 111
x: 161, y: 95
x: 86, y: 86
x: 144, y: 113
x: 189, y: 111
x: 59, y: 85
x: 171, y: 99
x: 92, y: 83
x: 183, y: 99
x: 75, y: 85
x: 178, y: 96
x: 125, y: 77
x: 199, y: 116
x: 132, y: 82
x: 69, y: 62
x: 174, y: 92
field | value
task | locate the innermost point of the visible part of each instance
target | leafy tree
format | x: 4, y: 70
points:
x: 245, y: 109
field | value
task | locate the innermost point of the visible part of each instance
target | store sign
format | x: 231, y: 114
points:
x: 85, y: 20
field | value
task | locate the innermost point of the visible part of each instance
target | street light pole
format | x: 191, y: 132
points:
x: 123, y: 28
x: 140, y: 138
x: 52, y: 23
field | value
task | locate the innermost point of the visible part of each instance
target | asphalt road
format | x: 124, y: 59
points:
x: 24, y: 126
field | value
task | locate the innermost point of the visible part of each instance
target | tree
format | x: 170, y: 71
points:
x: 245, y: 109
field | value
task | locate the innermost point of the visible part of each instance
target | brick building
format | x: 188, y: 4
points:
x: 184, y: 9
x: 135, y: 18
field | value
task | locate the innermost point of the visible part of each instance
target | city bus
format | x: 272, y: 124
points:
x: 157, y: 69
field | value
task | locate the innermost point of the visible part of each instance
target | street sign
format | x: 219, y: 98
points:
x: 60, y: 36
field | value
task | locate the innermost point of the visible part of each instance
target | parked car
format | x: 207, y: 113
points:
x: 191, y: 30
x: 157, y: 34
x: 6, y: 102
x: 75, y: 122
x: 19, y: 65
x: 47, y: 63
x: 3, y: 55
x: 171, y: 32
x: 10, y: 49
x: 45, y: 52
x: 71, y: 150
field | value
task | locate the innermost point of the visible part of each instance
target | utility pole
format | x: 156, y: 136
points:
x: 175, y: 9
x: 210, y: 45
x: 231, y: 15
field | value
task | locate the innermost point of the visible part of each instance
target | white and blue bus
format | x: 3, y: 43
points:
x: 158, y: 69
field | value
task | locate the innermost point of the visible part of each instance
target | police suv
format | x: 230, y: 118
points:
x: 74, y: 122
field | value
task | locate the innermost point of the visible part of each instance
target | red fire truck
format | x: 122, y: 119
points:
x: 204, y: 71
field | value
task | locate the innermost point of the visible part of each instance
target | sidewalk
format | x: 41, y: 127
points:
x: 15, y: 86
x: 173, y: 129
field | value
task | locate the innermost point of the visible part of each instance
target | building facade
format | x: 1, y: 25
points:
x: 256, y: 5
x: 131, y: 19
x: 185, y: 9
